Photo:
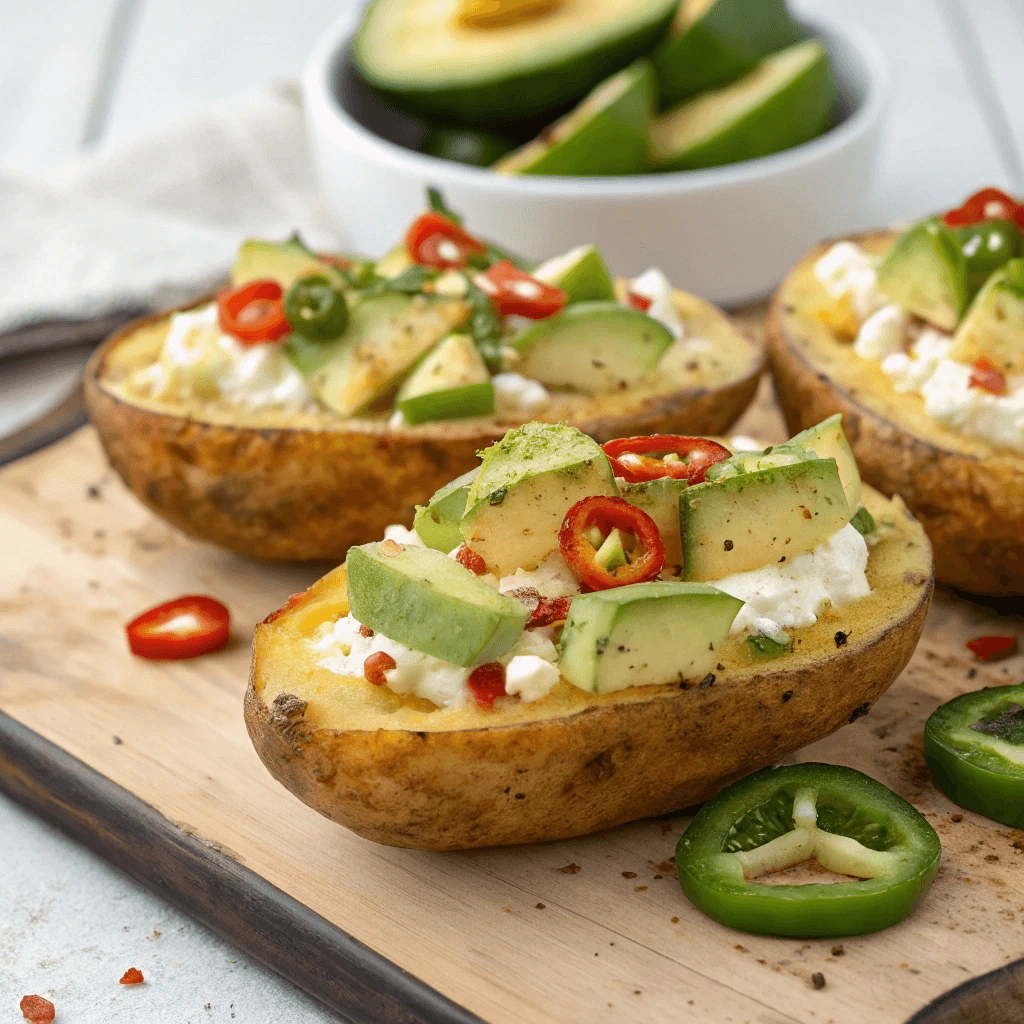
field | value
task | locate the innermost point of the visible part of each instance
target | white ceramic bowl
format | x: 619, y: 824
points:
x: 725, y: 233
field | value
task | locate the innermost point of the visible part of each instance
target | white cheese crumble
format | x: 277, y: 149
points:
x: 847, y: 271
x: 197, y: 360
x: 345, y: 650
x: 792, y: 595
x: 883, y: 333
x: 552, y: 578
x: 516, y: 395
x: 402, y: 535
x: 654, y: 285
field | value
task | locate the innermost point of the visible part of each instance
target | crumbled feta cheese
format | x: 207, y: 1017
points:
x: 846, y: 270
x: 654, y: 285
x: 401, y: 535
x: 516, y: 395
x: 452, y: 283
x: 530, y: 677
x: 910, y: 371
x: 552, y: 578
x: 883, y: 333
x: 793, y: 594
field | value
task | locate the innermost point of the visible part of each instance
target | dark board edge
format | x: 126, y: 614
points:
x: 230, y: 899
x: 993, y: 998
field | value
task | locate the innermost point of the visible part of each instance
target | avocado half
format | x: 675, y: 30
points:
x: 418, y: 52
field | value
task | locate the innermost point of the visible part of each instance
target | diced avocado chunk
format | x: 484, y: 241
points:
x: 283, y: 262
x: 386, y: 335
x: 713, y: 42
x: 993, y: 328
x: 429, y: 602
x: 645, y: 634
x: 437, y: 522
x: 611, y: 554
x: 774, y: 456
x: 394, y: 262
x: 451, y: 383
x: 828, y: 441
x: 788, y: 99
x: 743, y: 522
x: 581, y: 273
x: 592, y: 347
x: 605, y: 134
x: 863, y: 521
x: 527, y: 482
x: 925, y: 273
x: 660, y: 500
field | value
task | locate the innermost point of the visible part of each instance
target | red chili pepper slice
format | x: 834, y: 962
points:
x: 985, y: 376
x: 629, y: 458
x: 469, y: 559
x: 513, y: 291
x: 376, y: 665
x: 607, y: 514
x: 992, y: 648
x: 544, y: 611
x: 487, y: 683
x: 253, y: 313
x: 640, y: 302
x: 988, y: 204
x: 435, y: 241
x: 183, y: 628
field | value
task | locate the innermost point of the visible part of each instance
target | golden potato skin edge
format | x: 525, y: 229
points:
x: 553, y: 779
x: 972, y: 509
x: 301, y: 494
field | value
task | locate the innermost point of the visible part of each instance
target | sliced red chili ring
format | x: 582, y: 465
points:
x: 435, y: 241
x: 630, y: 457
x: 606, y: 514
x: 985, y: 376
x: 487, y: 683
x: 183, y: 628
x: 253, y: 313
x: 514, y: 292
x: 988, y: 204
x: 992, y: 648
x: 376, y: 665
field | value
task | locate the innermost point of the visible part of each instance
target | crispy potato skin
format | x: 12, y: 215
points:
x: 623, y: 756
x: 970, y: 504
x: 283, y: 493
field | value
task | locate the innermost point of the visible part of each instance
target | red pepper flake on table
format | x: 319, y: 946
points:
x: 37, y: 1009
x: 992, y: 648
x: 133, y: 976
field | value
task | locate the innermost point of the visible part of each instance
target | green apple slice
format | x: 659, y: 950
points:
x: 789, y: 98
x: 605, y: 134
x: 581, y: 273
x: 451, y: 383
x: 712, y: 42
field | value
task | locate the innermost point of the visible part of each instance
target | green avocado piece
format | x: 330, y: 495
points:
x: 386, y: 336
x: 605, y: 134
x: 787, y: 99
x: 592, y: 347
x: 429, y: 602
x: 527, y: 482
x: 394, y: 262
x: 987, y: 247
x: 925, y: 272
x: 283, y: 262
x: 617, y: 638
x: 743, y: 522
x: 712, y: 42
x: 437, y: 522
x: 660, y: 500
x: 466, y: 146
x: 451, y: 383
x: 432, y: 64
x: 828, y: 441
x: 993, y: 328
x: 581, y: 273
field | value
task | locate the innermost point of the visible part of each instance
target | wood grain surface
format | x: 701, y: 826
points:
x: 591, y: 929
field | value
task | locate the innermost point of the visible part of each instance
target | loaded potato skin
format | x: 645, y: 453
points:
x: 399, y: 771
x: 967, y: 493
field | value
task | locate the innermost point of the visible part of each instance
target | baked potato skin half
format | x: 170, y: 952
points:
x: 398, y: 772
x: 313, y: 489
x: 967, y: 494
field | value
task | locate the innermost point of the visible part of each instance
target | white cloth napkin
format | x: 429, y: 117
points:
x: 153, y: 224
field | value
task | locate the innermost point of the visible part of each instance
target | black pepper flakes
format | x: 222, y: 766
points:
x: 727, y: 545
x: 841, y: 638
x: 787, y: 696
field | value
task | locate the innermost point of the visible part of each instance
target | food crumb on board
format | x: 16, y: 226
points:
x: 117, y: 741
x: 133, y: 976
x: 668, y: 866
x: 675, y: 920
x: 640, y: 888
x: 541, y: 906
x: 629, y: 874
x: 742, y: 949
x: 838, y: 950
x: 956, y: 817
x: 570, y: 869
x: 818, y: 979
x: 37, y: 1009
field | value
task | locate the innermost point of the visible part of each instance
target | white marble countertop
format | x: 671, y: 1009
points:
x: 98, y: 73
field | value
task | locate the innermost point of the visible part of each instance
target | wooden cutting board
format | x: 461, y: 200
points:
x: 150, y: 764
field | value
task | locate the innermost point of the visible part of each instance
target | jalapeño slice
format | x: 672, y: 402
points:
x: 974, y: 746
x: 781, y: 817
x: 316, y: 309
